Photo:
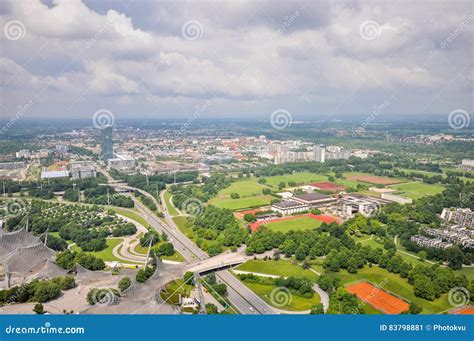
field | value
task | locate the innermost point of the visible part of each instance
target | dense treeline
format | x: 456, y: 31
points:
x: 37, y: 290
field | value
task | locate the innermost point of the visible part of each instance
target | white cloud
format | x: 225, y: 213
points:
x: 252, y: 55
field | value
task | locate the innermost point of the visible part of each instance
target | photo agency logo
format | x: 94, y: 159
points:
x: 193, y: 206
x: 103, y: 119
x: 458, y: 296
x: 281, y: 119
x: 370, y: 30
x: 459, y: 119
x: 281, y: 296
x: 14, y: 30
x: 15, y: 207
x: 192, y: 30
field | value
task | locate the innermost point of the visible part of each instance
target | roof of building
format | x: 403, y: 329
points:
x: 54, y: 174
x: 311, y: 196
x: 287, y: 204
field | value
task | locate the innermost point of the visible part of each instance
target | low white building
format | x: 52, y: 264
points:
x: 396, y: 198
x: 287, y: 207
x: 122, y: 162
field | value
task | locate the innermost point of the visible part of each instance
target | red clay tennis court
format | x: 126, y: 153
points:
x: 324, y: 218
x: 328, y: 186
x: 464, y: 311
x: 378, y: 298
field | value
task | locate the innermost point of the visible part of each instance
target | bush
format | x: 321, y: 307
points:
x: 97, y: 295
x: 124, y: 283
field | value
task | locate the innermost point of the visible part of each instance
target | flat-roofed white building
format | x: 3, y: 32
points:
x: 287, y: 207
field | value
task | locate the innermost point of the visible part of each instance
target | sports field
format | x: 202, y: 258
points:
x: 378, y: 298
x: 295, y: 223
x: 372, y: 179
x: 300, y: 178
x: 416, y: 190
x: 468, y: 310
x: 395, y: 284
x: 238, y: 204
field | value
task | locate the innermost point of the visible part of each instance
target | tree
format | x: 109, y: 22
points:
x: 235, y: 195
x: 165, y: 249
x: 211, y: 309
x: 250, y: 218
x: 46, y: 291
x: 422, y: 255
x: 424, y: 288
x: 266, y: 191
x: 38, y: 309
x: 124, y: 283
x: 318, y: 309
x: 188, y: 277
x: 455, y: 258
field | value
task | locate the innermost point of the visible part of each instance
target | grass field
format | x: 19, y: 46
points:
x: 416, y: 190
x: 296, y: 303
x: 171, y: 209
x: 245, y: 188
x: 297, y: 224
x: 397, y: 285
x: 177, y: 257
x: 280, y: 267
x: 300, y: 178
x: 173, y: 289
x: 133, y: 216
x: 238, y: 204
x: 105, y: 254
x: 371, y: 179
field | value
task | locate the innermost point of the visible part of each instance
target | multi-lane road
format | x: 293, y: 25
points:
x: 241, y: 297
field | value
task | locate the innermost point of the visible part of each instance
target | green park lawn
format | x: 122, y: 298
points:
x: 296, y: 303
x: 176, y: 257
x: 245, y: 188
x: 297, y: 224
x: 175, y: 288
x: 300, y: 178
x: 395, y: 284
x: 132, y: 215
x: 171, y: 209
x: 183, y: 225
x: 237, y: 204
x: 280, y: 267
x: 416, y: 190
x: 105, y: 254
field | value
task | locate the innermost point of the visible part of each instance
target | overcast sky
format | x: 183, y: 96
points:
x: 167, y: 59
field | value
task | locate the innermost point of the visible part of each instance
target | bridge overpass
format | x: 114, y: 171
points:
x: 220, y: 262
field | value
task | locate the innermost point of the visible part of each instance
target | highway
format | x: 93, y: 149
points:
x: 241, y: 297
